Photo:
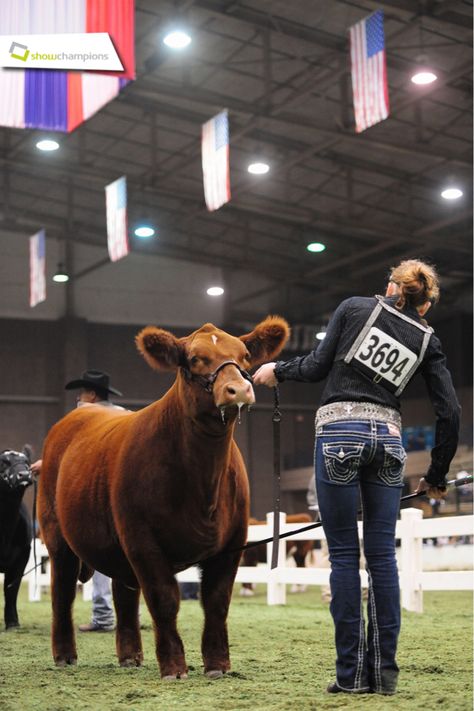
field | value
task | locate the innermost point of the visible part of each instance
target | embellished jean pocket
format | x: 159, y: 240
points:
x: 393, y: 466
x: 342, y: 461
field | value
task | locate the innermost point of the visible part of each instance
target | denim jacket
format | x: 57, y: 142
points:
x: 345, y: 382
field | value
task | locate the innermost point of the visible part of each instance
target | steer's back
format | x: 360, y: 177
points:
x: 73, y: 476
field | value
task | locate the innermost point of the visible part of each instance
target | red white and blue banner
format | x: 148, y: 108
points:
x: 369, y: 71
x: 215, y: 161
x: 61, y: 100
x: 116, y: 210
x: 37, y: 268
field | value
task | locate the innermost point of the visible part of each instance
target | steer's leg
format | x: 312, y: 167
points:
x: 64, y: 573
x: 161, y: 594
x: 11, y: 586
x: 218, y: 576
x: 128, y: 639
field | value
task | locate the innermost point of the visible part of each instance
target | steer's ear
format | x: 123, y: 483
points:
x: 161, y: 350
x: 267, y: 339
x: 28, y: 452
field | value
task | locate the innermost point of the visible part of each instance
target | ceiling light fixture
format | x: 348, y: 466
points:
x: 258, y: 168
x: 215, y: 291
x: 144, y: 231
x: 177, y: 39
x: 451, y: 193
x: 47, y: 144
x: 316, y: 247
x: 423, y: 77
x: 321, y: 335
x: 61, y: 275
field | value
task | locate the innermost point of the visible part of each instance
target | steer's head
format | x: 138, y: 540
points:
x: 15, y: 472
x: 213, y: 365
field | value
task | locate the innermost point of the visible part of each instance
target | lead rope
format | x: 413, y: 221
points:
x: 35, y: 492
x: 454, y: 482
x: 276, y: 419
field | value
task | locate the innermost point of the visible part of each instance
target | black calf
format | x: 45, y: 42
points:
x: 16, y: 531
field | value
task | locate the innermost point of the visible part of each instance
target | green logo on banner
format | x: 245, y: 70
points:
x: 15, y: 46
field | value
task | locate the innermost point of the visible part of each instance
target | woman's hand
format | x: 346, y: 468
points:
x: 434, y: 492
x: 265, y: 375
x: 36, y: 467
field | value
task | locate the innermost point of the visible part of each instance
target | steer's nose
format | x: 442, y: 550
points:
x: 239, y: 393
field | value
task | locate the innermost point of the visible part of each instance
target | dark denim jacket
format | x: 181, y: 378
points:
x: 345, y: 382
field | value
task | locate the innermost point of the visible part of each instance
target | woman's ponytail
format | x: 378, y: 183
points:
x: 417, y: 283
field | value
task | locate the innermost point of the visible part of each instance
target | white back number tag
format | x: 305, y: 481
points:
x: 385, y: 356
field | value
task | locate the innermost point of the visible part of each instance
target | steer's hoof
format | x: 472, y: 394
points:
x: 12, y: 625
x: 68, y: 661
x: 214, y: 674
x: 175, y: 677
x: 128, y: 663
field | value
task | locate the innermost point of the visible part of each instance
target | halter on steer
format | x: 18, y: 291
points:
x: 207, y: 381
x: 15, y: 469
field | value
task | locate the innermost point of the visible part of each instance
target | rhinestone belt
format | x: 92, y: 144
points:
x: 357, y: 411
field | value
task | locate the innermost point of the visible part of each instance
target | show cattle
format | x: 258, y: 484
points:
x: 298, y: 549
x: 142, y: 495
x: 16, y: 531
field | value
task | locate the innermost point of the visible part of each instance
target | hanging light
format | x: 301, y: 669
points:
x: 315, y: 247
x: 423, y: 73
x: 177, y: 39
x: 47, y: 144
x: 258, y: 168
x: 423, y: 77
x: 451, y: 193
x: 61, y: 274
x: 215, y: 291
x: 144, y: 231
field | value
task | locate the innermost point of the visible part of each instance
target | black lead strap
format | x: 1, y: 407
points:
x: 465, y: 481
x: 276, y: 419
x: 35, y: 499
x: 454, y: 482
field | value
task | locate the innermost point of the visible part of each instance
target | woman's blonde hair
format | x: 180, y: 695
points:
x: 417, y: 283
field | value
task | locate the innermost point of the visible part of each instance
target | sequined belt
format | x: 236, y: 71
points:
x: 357, y: 411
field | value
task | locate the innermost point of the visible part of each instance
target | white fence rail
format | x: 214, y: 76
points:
x: 411, y: 529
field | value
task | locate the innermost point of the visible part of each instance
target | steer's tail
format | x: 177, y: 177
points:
x: 85, y: 573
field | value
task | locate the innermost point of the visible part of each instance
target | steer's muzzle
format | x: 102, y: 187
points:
x: 232, y: 389
x: 20, y: 476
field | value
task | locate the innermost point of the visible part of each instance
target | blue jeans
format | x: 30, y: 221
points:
x: 102, y: 608
x: 365, y: 456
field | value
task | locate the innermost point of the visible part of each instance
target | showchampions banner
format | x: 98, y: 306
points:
x: 86, y: 51
x: 61, y: 100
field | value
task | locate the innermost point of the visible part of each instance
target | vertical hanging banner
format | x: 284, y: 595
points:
x: 37, y: 268
x: 369, y: 71
x: 215, y: 161
x: 61, y: 100
x: 116, y: 210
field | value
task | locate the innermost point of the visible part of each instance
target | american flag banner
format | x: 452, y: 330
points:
x: 37, y: 268
x: 116, y: 210
x: 215, y: 161
x: 369, y: 71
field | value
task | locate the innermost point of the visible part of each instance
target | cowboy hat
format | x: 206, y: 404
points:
x: 92, y: 380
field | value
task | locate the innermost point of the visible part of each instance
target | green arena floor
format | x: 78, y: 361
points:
x: 282, y: 659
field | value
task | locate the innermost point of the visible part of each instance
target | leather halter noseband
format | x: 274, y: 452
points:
x: 207, y: 381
